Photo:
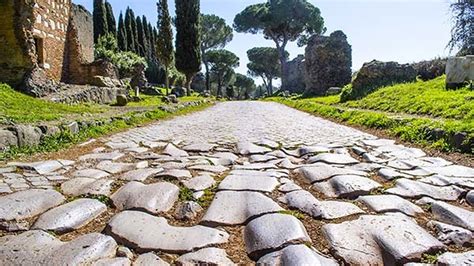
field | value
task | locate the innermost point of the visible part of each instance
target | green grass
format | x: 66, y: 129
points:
x: 151, y: 100
x: 420, y: 98
x: 18, y: 107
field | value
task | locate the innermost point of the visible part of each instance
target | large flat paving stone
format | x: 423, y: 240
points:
x: 307, y: 203
x: 390, y: 203
x: 256, y: 166
x: 87, y: 186
x: 173, y: 151
x: 346, y: 186
x: 237, y: 207
x: 248, y: 148
x: 456, y: 259
x: 140, y: 174
x: 333, y: 158
x: 454, y: 215
x: 271, y: 232
x: 452, y: 170
x: 112, y: 262
x: 321, y: 172
x: 439, y: 180
x: 178, y: 174
x: 199, y: 147
x: 415, y: 189
x: 199, y: 183
x: 297, y: 255
x: 111, y: 156
x: 115, y: 168
x: 149, y: 259
x: 145, y: 232
x: 154, y: 198
x: 205, y: 256
x: 40, y: 248
x: 29, y: 203
x: 90, y: 173
x: 70, y: 216
x: 380, y: 240
x: 43, y: 167
x: 450, y: 234
x: 249, y: 183
x: 216, y: 169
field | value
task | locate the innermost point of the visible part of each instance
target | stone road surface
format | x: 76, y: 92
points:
x: 238, y: 183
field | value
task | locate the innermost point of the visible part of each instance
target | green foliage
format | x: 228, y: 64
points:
x: 142, y: 45
x: 121, y: 34
x: 100, y: 19
x: 164, y: 50
x: 185, y: 194
x: 462, y: 33
x: 264, y: 63
x: 222, y: 64
x: 188, y: 39
x: 107, y: 48
x: 130, y: 30
x: 19, y: 108
x: 111, y: 24
x: 245, y: 86
x: 296, y: 214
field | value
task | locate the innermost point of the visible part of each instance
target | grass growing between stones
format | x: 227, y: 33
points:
x: 66, y: 139
x: 18, y: 107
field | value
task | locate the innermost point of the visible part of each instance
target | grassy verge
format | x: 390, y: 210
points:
x: 67, y: 139
x: 415, y: 130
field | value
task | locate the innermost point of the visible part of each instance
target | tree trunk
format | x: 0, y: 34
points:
x: 219, y: 86
x: 270, y: 86
x: 167, y: 81
x: 189, y: 80
x: 283, y: 62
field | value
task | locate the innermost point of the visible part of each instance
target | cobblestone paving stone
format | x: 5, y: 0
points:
x: 239, y: 183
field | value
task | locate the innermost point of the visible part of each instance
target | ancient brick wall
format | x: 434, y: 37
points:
x: 51, y: 24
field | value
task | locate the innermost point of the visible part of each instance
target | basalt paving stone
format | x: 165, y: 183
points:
x: 377, y: 142
x: 271, y: 232
x: 225, y: 158
x: 321, y: 172
x: 380, y: 240
x: 145, y: 232
x: 415, y: 189
x: 454, y: 215
x: 140, y: 174
x: 333, y: 158
x: 390, y: 203
x: 199, y: 147
x: 401, y: 152
x: 307, y: 203
x: 452, y: 170
x: 255, y: 166
x: 90, y: 173
x: 115, y: 168
x: 315, y: 149
x: 287, y: 164
x: 268, y: 143
x: 418, y: 172
x: 271, y: 173
x: 249, y: 183
x: 439, y: 180
x: 470, y: 197
x: 70, y: 216
x: 248, y: 148
x: 258, y: 158
x: 346, y: 186
x: 391, y: 174
x: 149, y: 259
x: 288, y: 187
x: 178, y: 174
x: 296, y: 255
x: 29, y: 203
x: 121, y: 145
x: 154, y: 198
x: 149, y: 156
x: 401, y: 165
x: 217, y: 169
x: 450, y: 234
x: 87, y: 186
x: 41, y: 168
x: 205, y: 256
x: 173, y: 151
x: 456, y: 259
x: 198, y: 183
x: 375, y: 158
x: 40, y: 248
x: 112, y: 262
x: 112, y: 156
x: 238, y: 207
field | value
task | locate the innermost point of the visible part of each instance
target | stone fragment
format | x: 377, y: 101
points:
x: 315, y: 149
x: 225, y: 158
x: 255, y: 166
x: 268, y: 143
x: 205, y: 256
x: 199, y: 147
x: 450, y: 234
x: 287, y: 164
x: 44, y: 167
x: 172, y: 151
x: 7, y: 139
x: 271, y: 173
x: 70, y: 216
x: 346, y: 186
x: 470, y: 197
x: 29, y: 203
x: 390, y: 174
x: 112, y: 156
x: 121, y: 145
x: 149, y: 259
x: 248, y: 148
x: 237, y: 207
x: 271, y: 232
x: 456, y: 259
x: 145, y: 232
x: 216, y: 169
x: 307, y: 203
x: 289, y: 187
x: 296, y: 255
x: 188, y: 210
x: 452, y: 170
x: 140, y: 174
x: 258, y: 158
x: 124, y: 252
x: 390, y: 203
x: 321, y: 172
x: 378, y: 142
x: 372, y: 157
x: 115, y: 168
x: 415, y: 189
x: 90, y: 173
x: 153, y: 198
x: 381, y: 240
x: 178, y: 174
x: 112, y: 262
x: 198, y: 183
x: 86, y: 186
x: 439, y: 180
x: 249, y: 183
x: 454, y: 215
x: 333, y: 158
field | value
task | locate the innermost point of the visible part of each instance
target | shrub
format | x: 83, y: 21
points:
x: 427, y: 70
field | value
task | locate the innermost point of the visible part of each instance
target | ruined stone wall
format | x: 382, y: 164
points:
x: 295, y: 76
x: 51, y: 24
x: 17, y: 56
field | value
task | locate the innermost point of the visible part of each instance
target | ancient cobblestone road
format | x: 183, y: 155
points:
x: 241, y: 182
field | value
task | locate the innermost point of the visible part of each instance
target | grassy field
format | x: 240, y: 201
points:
x: 409, y: 111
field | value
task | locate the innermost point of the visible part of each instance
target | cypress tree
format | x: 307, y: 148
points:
x: 142, y: 47
x: 134, y: 34
x: 99, y: 19
x: 188, y: 40
x: 111, y: 24
x: 128, y: 30
x: 164, y: 39
x: 121, y: 34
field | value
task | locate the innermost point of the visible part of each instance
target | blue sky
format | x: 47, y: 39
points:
x: 388, y: 30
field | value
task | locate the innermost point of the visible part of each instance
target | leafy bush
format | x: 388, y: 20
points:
x: 107, y: 48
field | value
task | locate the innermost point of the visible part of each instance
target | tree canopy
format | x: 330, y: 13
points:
x: 188, y: 39
x: 245, y: 85
x: 462, y: 33
x: 164, y: 43
x: 264, y: 63
x: 100, y: 19
x: 222, y: 64
x: 281, y: 21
